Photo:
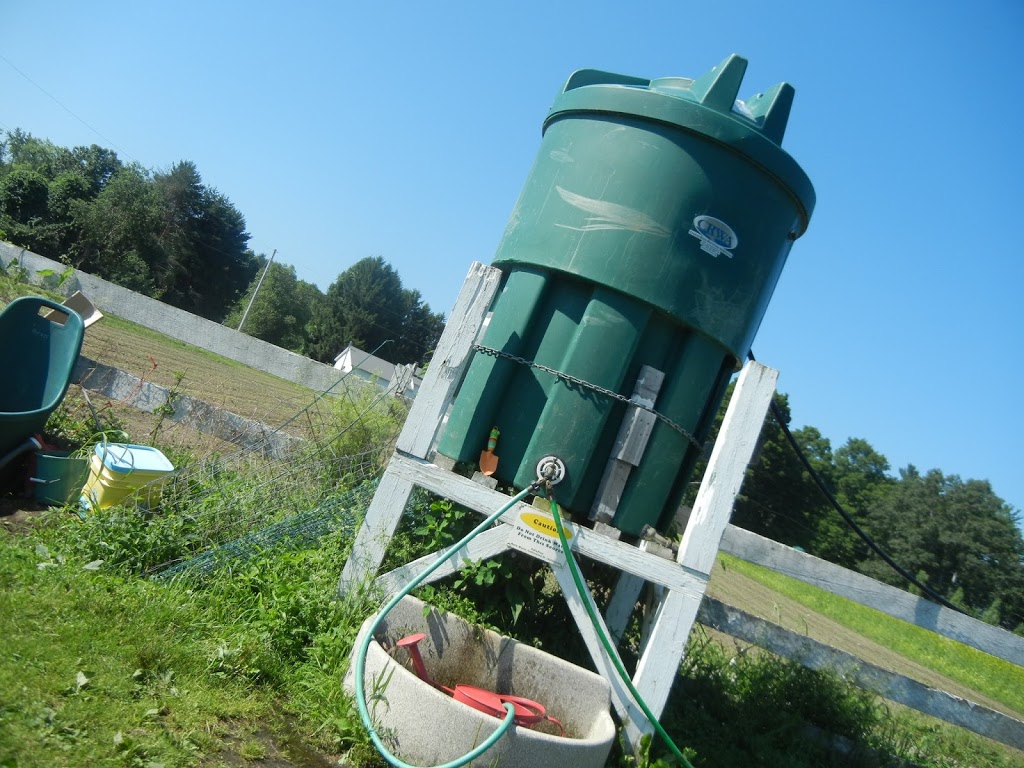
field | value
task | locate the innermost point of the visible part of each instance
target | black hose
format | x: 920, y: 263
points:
x: 777, y: 413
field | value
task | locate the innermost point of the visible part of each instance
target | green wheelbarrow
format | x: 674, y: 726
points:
x: 40, y: 341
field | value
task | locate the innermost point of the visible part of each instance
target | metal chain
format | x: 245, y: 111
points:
x: 588, y: 385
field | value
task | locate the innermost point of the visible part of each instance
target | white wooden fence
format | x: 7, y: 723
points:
x: 882, y: 597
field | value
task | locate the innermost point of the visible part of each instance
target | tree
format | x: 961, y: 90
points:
x: 421, y: 330
x: 959, y: 535
x: 861, y: 475
x: 39, y: 155
x: 98, y: 166
x: 778, y: 499
x: 119, y: 233
x: 24, y: 194
x: 859, y: 478
x: 203, y: 237
x: 367, y: 306
x: 283, y: 308
x: 31, y: 170
x: 64, y: 191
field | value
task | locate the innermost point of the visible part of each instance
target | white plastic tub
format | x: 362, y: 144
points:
x: 425, y: 726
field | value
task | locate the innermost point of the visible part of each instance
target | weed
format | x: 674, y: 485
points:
x: 54, y: 280
x: 15, y: 271
x: 440, y: 525
x: 166, y: 409
x: 76, y: 426
x: 643, y: 759
x: 370, y: 420
x: 252, y: 749
x: 127, y: 538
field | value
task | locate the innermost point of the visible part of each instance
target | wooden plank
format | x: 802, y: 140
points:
x: 375, y: 533
x: 621, y: 698
x: 488, y: 544
x: 866, y: 591
x: 656, y: 671
x: 423, y: 474
x: 638, y: 423
x: 724, y: 476
x: 418, y: 433
x: 623, y: 601
x: 814, y: 655
x: 620, y: 607
x: 450, y: 360
x: 649, y: 567
x: 697, y: 551
x: 634, y: 432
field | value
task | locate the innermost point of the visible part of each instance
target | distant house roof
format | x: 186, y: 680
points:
x: 354, y: 359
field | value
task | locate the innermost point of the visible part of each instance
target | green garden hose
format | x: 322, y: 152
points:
x: 364, y: 647
x: 608, y: 647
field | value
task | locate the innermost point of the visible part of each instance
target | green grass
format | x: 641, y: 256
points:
x: 99, y: 667
x: 991, y: 676
x: 96, y: 670
x: 103, y: 668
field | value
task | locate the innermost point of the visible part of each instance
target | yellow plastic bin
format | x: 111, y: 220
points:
x: 118, y: 471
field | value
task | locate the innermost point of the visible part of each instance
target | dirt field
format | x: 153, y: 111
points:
x: 195, y: 372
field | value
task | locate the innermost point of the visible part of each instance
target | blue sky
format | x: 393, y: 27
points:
x: 406, y: 130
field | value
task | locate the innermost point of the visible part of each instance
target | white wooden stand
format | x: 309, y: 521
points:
x: 682, y: 581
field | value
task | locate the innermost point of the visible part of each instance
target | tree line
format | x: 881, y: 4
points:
x: 168, y: 235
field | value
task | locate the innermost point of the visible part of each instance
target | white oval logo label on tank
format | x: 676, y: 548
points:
x: 715, y: 236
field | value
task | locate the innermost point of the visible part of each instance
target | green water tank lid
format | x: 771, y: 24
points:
x: 709, y: 106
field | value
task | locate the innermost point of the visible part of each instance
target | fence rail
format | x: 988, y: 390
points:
x: 882, y: 597
x: 866, y: 591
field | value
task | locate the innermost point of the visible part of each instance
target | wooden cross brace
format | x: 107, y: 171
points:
x: 682, y: 582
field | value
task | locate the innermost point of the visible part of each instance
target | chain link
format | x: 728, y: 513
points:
x: 588, y: 385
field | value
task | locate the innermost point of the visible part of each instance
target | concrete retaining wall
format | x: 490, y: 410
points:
x: 178, y: 324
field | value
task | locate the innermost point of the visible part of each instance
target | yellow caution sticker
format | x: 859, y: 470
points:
x: 544, y: 524
x: 535, y: 534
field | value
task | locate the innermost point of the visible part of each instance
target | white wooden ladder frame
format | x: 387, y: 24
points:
x: 683, y: 581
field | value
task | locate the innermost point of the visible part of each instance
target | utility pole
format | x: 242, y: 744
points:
x: 253, y: 298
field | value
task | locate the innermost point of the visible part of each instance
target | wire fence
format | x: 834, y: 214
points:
x: 227, y: 507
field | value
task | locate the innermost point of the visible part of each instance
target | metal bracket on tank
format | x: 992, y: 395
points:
x: 551, y: 469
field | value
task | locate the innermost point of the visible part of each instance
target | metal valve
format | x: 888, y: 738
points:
x: 551, y: 469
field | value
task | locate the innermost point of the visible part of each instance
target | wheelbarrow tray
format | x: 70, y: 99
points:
x: 37, y: 358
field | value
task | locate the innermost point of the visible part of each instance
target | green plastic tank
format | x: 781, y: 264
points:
x: 651, y: 230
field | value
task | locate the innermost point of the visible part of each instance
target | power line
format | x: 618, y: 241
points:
x: 57, y: 101
x: 61, y: 104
